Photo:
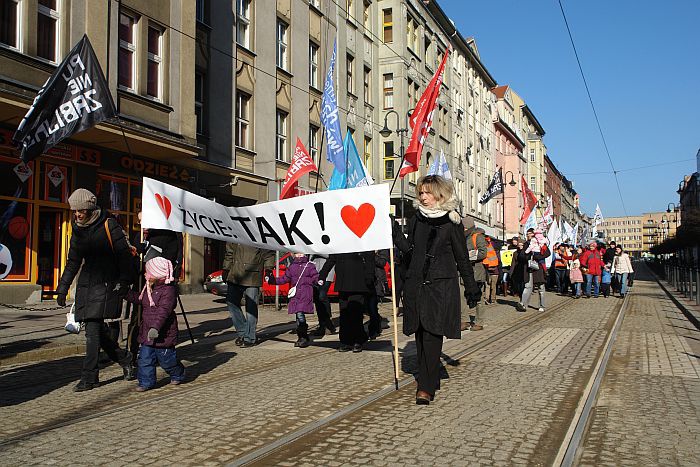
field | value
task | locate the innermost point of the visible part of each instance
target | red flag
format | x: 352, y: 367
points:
x: 301, y: 164
x: 529, y: 201
x: 421, y: 120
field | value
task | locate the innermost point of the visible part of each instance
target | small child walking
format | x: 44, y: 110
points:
x: 605, y: 280
x: 302, y: 276
x: 576, y: 277
x: 158, y: 331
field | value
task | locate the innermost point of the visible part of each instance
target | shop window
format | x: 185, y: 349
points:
x: 55, y: 182
x: 15, y: 238
x: 112, y: 194
x: 16, y: 178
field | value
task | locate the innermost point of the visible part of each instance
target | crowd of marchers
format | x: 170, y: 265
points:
x: 448, y: 273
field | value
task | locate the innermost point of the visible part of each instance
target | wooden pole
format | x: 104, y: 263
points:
x: 396, y: 324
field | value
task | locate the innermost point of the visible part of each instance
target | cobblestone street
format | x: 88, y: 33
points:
x: 508, y: 396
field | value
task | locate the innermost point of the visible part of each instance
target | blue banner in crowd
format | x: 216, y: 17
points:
x: 356, y: 173
x: 331, y: 119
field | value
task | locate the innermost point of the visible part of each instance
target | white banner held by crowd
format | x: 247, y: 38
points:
x: 337, y: 221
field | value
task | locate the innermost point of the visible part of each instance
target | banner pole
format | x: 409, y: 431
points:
x: 320, y: 154
x: 396, y: 324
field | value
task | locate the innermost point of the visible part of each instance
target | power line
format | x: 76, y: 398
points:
x: 595, y: 114
x: 633, y: 168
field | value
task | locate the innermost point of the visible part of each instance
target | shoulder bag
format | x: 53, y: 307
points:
x: 293, y: 290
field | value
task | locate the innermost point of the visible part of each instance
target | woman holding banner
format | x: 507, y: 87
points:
x: 436, y: 253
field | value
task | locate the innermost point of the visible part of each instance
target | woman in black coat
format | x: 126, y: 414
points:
x: 99, y: 250
x: 438, y: 257
x: 354, y: 282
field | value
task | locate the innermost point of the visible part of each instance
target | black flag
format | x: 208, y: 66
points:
x: 495, y: 188
x: 75, y: 98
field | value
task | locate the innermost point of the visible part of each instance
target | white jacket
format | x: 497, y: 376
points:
x: 622, y: 264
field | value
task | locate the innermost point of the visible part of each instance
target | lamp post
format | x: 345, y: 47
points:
x: 676, y: 210
x: 386, y: 132
x: 511, y: 183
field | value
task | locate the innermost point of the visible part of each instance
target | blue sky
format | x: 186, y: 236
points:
x: 641, y: 60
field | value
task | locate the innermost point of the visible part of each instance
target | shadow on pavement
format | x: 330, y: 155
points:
x: 32, y: 381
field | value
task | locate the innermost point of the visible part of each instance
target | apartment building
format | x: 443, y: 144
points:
x: 553, y: 186
x: 569, y: 205
x: 535, y: 152
x: 147, y: 53
x: 638, y: 234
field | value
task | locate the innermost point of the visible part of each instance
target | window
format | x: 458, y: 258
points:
x: 388, y: 160
x: 426, y: 50
x: 389, y: 91
x: 532, y: 181
x: 282, y: 44
x: 281, y: 148
x: 9, y: 21
x: 199, y: 93
x: 532, y: 155
x: 155, y: 58
x: 47, y: 29
x: 313, y: 142
x: 243, y: 23
x: 348, y: 9
x: 366, y: 83
x: 313, y: 65
x: 127, y: 49
x: 350, y: 66
x: 412, y: 33
x: 316, y: 3
x: 388, y: 23
x: 368, y: 154
x: 243, y: 120
x: 366, y: 17
x: 199, y: 11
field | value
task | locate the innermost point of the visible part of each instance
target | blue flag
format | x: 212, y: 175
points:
x: 356, y: 173
x: 331, y: 119
x: 440, y: 167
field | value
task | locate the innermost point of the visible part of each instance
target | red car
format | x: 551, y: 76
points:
x: 217, y: 286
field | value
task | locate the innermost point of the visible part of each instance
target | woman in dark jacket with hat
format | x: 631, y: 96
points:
x: 438, y: 257
x: 99, y: 250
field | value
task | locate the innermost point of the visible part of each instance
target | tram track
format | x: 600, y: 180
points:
x: 277, y: 364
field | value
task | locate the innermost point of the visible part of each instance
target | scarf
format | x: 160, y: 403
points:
x: 90, y: 220
x: 448, y: 207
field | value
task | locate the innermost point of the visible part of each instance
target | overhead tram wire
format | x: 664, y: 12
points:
x: 595, y: 114
x: 632, y: 168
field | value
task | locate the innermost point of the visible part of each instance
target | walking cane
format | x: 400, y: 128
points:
x: 182, y: 310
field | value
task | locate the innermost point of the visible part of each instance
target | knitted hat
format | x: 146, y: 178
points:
x: 468, y: 223
x: 157, y: 268
x: 82, y: 199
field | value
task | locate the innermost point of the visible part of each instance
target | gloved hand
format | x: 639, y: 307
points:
x: 152, y: 334
x: 473, y: 298
x: 268, y: 279
x: 320, y: 282
x: 61, y: 299
x: 395, y: 230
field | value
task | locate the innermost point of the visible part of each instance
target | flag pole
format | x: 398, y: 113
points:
x: 396, y: 324
x: 320, y: 153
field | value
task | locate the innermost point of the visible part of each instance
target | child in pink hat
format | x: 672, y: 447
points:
x: 158, y: 330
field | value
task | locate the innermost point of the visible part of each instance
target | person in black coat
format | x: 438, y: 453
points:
x: 381, y: 288
x: 354, y: 282
x: 438, y: 258
x: 99, y: 250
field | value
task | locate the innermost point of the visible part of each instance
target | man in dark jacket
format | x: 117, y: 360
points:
x: 354, y: 282
x: 98, y: 245
x: 243, y: 273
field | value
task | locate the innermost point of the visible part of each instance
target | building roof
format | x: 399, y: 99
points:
x: 500, y: 91
x: 533, y: 119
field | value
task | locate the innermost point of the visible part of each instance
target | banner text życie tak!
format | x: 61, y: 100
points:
x: 337, y: 221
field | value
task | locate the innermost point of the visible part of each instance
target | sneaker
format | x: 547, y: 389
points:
x: 476, y: 327
x: 520, y: 307
x: 302, y: 343
x: 85, y: 386
x: 465, y: 326
x: 344, y: 348
x: 247, y: 344
x: 357, y: 348
x: 239, y: 341
x: 540, y: 309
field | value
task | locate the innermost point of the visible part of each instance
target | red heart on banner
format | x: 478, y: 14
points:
x: 164, y: 204
x: 358, y: 220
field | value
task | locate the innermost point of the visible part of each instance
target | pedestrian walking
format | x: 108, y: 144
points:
x: 438, y: 258
x: 491, y: 264
x: 321, y: 300
x: 592, y: 268
x: 354, y: 282
x: 158, y: 329
x: 561, y: 266
x: 302, y: 276
x: 622, y: 268
x: 605, y: 280
x: 99, y: 250
x: 535, y: 252
x: 243, y: 273
x: 518, y: 270
x: 472, y: 319
x: 576, y: 277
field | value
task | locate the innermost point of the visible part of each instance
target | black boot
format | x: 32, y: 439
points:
x: 303, y: 336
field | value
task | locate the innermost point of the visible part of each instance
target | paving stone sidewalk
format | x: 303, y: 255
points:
x: 648, y: 410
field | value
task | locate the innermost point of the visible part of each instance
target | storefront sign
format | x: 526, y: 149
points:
x: 337, y: 221
x: 23, y: 171
x: 63, y: 151
x: 145, y: 168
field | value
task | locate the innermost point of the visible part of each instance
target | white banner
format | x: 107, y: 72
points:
x: 337, y: 221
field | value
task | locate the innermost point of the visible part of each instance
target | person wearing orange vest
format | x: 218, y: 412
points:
x: 491, y: 265
x: 476, y: 247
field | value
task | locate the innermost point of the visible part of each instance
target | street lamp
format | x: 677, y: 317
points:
x: 386, y: 132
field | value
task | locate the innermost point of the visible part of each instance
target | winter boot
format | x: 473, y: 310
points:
x: 303, y: 336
